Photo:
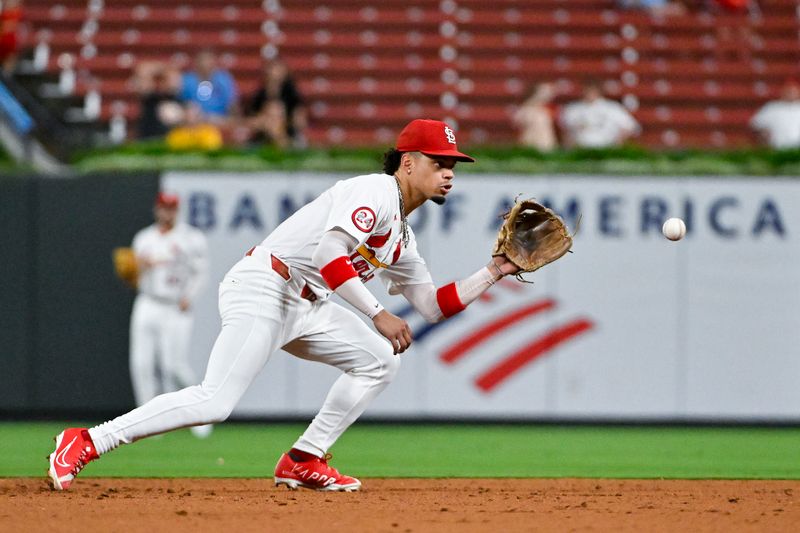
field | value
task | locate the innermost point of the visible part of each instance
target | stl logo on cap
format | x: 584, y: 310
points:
x: 425, y: 136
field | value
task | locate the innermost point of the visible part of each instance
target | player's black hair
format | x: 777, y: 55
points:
x: 391, y: 161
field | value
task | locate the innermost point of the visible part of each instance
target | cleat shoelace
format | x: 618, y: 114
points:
x: 81, y: 462
x: 331, y: 470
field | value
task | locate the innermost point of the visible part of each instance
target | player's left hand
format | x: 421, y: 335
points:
x: 395, y: 329
x: 503, y: 265
x: 184, y: 304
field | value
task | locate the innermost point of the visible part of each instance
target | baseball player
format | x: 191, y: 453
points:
x: 277, y: 296
x: 172, y: 261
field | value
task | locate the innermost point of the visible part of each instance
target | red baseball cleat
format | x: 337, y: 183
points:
x: 313, y: 474
x: 74, y: 450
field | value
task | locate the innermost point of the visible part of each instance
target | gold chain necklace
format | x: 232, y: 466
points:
x: 403, y: 220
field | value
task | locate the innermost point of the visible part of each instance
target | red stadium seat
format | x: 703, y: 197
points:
x: 365, y: 67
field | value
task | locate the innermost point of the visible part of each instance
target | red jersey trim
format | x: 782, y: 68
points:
x: 338, y: 271
x: 378, y: 241
x: 448, y: 300
x: 396, y: 254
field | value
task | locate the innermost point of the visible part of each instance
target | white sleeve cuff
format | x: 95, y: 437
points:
x: 473, y: 286
x: 356, y: 294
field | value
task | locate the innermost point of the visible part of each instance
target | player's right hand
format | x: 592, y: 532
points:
x: 395, y: 329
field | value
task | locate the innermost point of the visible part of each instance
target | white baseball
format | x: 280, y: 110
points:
x: 674, y: 229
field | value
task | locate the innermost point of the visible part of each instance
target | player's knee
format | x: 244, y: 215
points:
x: 214, y: 407
x: 387, y: 364
x: 378, y: 363
x: 392, y: 367
x: 215, y: 412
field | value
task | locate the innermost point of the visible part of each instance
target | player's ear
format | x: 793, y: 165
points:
x: 407, y: 163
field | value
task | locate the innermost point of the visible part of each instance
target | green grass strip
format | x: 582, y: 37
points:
x: 622, y: 161
x: 251, y: 450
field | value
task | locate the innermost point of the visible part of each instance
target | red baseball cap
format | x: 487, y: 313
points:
x: 165, y: 199
x: 431, y: 137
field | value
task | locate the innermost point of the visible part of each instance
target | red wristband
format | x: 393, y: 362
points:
x: 337, y: 272
x: 448, y: 300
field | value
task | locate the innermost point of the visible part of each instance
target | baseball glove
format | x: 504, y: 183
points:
x: 125, y: 266
x: 532, y: 236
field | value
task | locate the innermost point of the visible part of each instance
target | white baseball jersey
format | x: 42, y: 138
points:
x: 368, y: 209
x: 179, y: 258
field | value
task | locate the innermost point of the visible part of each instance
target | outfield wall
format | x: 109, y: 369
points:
x: 628, y: 327
x: 63, y: 314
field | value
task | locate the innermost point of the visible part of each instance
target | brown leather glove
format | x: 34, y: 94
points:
x: 532, y: 236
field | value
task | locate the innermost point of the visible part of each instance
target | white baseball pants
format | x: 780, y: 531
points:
x: 262, y: 312
x: 159, y: 346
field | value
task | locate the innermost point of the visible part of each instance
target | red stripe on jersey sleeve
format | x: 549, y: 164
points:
x: 448, y: 300
x: 378, y: 241
x: 337, y: 272
x: 396, y: 254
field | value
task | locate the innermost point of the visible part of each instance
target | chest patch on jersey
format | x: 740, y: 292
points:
x: 364, y: 219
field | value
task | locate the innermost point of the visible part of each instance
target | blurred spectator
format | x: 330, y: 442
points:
x: 185, y: 127
x: 655, y: 7
x: 10, y: 16
x: 596, y: 122
x: 270, y: 125
x: 157, y: 84
x: 535, y: 119
x: 778, y: 121
x: 195, y: 133
x: 277, y: 110
x: 211, y: 89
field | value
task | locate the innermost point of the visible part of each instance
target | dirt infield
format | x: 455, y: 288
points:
x: 401, y: 505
